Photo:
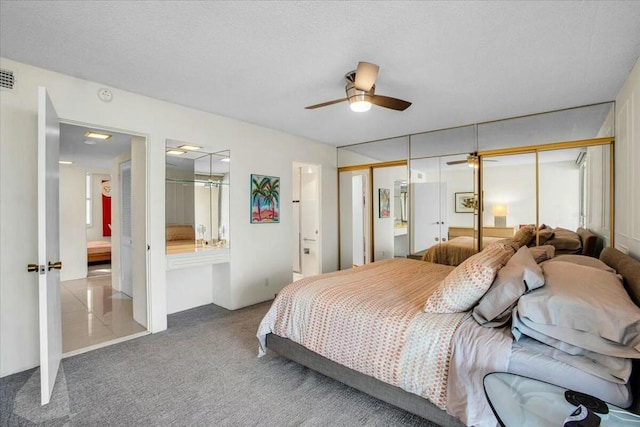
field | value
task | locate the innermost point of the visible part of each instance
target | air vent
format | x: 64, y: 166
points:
x: 7, y: 80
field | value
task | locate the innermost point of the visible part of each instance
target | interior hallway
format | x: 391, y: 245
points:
x: 93, y: 313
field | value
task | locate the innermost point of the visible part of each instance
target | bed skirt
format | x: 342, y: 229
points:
x: 393, y: 395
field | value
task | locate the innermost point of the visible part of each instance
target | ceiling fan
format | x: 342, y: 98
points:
x: 472, y: 160
x: 360, y: 90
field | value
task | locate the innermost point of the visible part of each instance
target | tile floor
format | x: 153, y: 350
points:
x: 92, y: 312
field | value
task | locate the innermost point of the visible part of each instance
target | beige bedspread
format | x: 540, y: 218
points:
x: 370, y: 319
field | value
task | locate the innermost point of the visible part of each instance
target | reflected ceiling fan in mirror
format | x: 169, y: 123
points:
x: 472, y: 160
x: 360, y: 90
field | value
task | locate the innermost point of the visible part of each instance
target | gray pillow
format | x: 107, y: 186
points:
x: 585, y: 307
x: 583, y: 260
x: 519, y: 275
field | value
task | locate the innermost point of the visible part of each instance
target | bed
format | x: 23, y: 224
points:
x: 99, y: 251
x: 456, y: 250
x: 462, y: 243
x: 367, y: 327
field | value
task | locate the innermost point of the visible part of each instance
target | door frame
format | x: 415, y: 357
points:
x: 370, y: 167
x: 147, y: 231
x: 318, y: 168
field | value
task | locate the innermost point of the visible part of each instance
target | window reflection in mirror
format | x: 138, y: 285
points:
x: 574, y: 189
x: 197, y: 199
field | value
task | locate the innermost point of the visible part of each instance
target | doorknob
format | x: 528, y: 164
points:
x: 32, y: 268
x: 56, y: 265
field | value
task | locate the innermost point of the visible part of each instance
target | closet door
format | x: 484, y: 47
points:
x: 458, y: 203
x: 509, y: 194
x: 425, y: 197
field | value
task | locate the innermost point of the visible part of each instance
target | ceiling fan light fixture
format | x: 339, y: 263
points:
x: 472, y: 162
x: 359, y: 106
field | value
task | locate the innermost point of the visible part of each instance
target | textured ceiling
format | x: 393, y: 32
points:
x: 263, y: 62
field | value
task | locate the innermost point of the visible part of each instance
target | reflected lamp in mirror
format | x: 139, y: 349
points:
x: 499, y: 215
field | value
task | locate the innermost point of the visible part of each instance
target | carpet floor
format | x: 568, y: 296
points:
x: 202, y: 370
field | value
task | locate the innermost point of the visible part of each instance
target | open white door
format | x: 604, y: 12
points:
x: 48, y: 244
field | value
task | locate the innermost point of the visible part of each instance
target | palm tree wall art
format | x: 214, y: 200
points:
x: 265, y: 199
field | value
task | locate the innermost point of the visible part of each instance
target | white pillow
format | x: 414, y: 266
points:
x: 466, y: 284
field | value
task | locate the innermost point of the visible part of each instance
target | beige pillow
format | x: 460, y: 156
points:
x: 542, y: 253
x: 584, y: 260
x: 544, y: 235
x: 565, y: 241
x: 466, y: 284
x: 584, y: 307
x: 523, y: 237
x: 521, y: 274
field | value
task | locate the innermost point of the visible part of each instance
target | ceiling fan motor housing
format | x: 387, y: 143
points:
x: 354, y: 94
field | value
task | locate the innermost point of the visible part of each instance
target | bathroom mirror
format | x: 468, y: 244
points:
x: 197, y: 199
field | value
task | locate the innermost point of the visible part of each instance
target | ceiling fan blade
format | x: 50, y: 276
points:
x: 388, y: 102
x: 324, y: 104
x: 366, y: 75
x: 457, y: 162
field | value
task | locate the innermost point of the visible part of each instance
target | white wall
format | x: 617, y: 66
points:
x: 254, y: 149
x: 514, y: 186
x: 627, y: 159
x: 73, y: 228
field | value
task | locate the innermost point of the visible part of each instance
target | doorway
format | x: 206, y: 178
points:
x: 102, y: 237
x: 307, y: 259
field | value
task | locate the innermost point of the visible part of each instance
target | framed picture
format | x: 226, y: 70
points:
x: 265, y: 199
x: 384, y: 203
x: 466, y: 202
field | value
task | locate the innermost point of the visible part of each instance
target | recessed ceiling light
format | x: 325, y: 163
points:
x: 65, y: 162
x: 189, y: 147
x: 89, y: 141
x: 226, y: 159
x: 175, y: 152
x: 97, y: 135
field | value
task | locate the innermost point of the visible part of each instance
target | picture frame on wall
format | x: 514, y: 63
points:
x: 466, y: 202
x: 265, y: 199
x: 384, y: 202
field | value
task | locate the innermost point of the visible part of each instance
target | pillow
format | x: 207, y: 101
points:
x: 584, y: 307
x: 466, y: 284
x: 544, y: 235
x: 584, y: 260
x: 565, y: 241
x: 521, y: 274
x: 542, y: 253
x: 523, y: 237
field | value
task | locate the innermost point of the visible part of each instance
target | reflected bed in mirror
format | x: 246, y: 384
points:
x: 197, y: 199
